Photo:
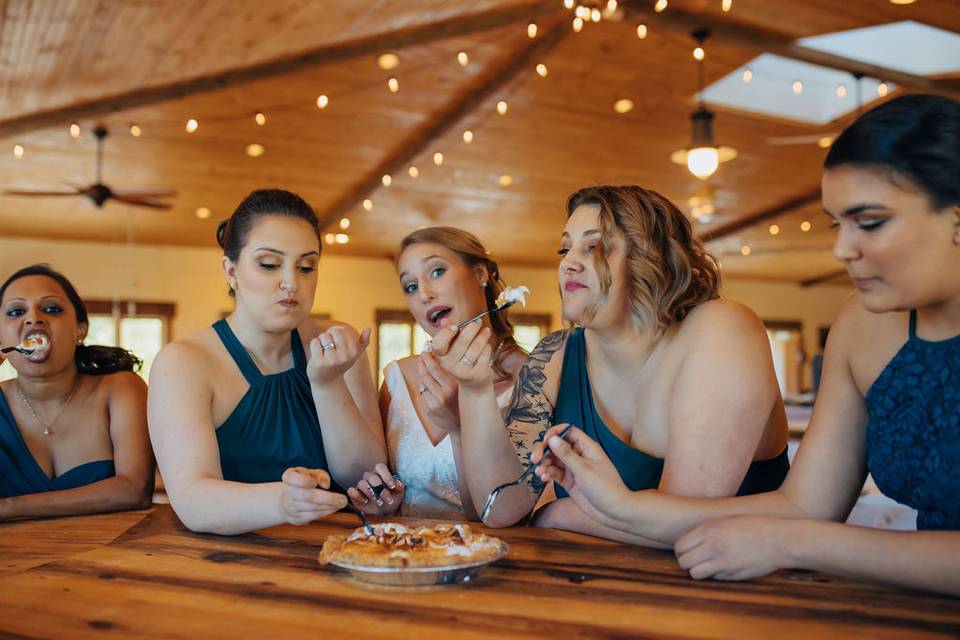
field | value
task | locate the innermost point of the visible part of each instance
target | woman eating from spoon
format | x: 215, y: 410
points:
x: 889, y: 401
x: 675, y: 385
x: 447, y: 277
x: 257, y: 419
x: 73, y: 430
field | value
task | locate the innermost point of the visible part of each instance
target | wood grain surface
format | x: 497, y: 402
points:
x: 158, y: 580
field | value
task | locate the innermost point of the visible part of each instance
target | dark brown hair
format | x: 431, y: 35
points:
x: 668, y: 270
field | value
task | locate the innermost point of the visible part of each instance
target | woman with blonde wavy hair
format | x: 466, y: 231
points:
x: 447, y: 276
x: 675, y: 384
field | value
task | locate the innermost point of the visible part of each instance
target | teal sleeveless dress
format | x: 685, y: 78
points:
x: 275, y: 425
x: 913, y: 433
x: 20, y: 474
x: 637, y: 469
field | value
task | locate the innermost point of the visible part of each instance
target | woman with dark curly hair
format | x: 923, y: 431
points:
x: 674, y: 384
x: 73, y: 423
x: 889, y: 400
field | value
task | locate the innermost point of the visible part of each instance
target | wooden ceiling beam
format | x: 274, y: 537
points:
x: 751, y: 38
x: 495, y: 77
x: 827, y: 277
x: 371, y: 44
x: 791, y: 204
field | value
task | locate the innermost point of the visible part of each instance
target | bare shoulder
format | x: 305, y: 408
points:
x: 191, y: 356
x: 721, y: 319
x: 866, y: 340
x: 123, y: 383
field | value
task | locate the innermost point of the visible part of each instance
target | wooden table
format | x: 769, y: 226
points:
x: 158, y: 580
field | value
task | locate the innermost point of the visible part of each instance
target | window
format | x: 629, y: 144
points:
x: 786, y: 345
x: 398, y: 336
x: 140, y: 327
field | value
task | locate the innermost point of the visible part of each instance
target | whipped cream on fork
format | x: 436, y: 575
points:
x: 513, y: 294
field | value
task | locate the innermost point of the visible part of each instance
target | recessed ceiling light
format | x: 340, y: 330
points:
x: 135, y: 131
x: 505, y: 180
x: 805, y: 225
x: 623, y: 105
x: 542, y: 70
x: 202, y: 212
x: 255, y: 150
x: 75, y: 130
x: 260, y: 119
x: 388, y: 61
x: 468, y: 136
x: 463, y: 58
x: 322, y: 101
x: 745, y: 250
x: 192, y: 125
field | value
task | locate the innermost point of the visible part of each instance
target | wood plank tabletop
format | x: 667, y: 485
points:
x: 159, y: 580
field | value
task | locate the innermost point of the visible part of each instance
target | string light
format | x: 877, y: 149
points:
x: 660, y: 6
x: 438, y: 158
x: 388, y: 61
x: 260, y: 119
x: 255, y: 150
x: 329, y: 238
x: 595, y: 15
x: 367, y: 204
x: 322, y: 101
x: 386, y: 179
x: 825, y: 142
x: 841, y: 90
x: 17, y: 151
x: 747, y: 75
x: 612, y: 6
x: 774, y: 229
x: 797, y: 87
x: 699, y: 54
x: 745, y: 250
x: 462, y: 58
x: 203, y: 213
x: 468, y: 136
x: 135, y: 131
x: 882, y: 89
x: 75, y: 131
x: 505, y: 180
x: 582, y: 12
x: 542, y: 70
x: 805, y: 226
x: 413, y: 171
x: 577, y: 25
x: 642, y: 31
x: 342, y: 238
x: 394, y: 85
x: 344, y: 223
x: 568, y: 4
x: 502, y: 107
x: 192, y: 125
x: 726, y: 5
x: 532, y: 30
x: 623, y: 105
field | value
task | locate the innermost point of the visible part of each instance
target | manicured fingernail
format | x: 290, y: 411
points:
x: 389, y: 500
x: 379, y: 502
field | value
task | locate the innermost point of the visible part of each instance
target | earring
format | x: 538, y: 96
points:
x: 483, y: 284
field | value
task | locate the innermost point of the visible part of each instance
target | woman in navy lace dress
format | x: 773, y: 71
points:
x: 889, y: 403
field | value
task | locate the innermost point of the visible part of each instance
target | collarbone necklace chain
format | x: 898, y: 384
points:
x: 48, y: 428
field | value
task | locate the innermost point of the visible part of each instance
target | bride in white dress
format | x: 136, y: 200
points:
x: 447, y: 277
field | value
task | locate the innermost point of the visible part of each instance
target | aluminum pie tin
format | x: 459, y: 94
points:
x: 420, y: 576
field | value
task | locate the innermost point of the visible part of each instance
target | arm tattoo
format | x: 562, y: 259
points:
x: 531, y: 413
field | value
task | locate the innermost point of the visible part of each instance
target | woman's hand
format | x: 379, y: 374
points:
x: 379, y: 492
x: 736, y: 547
x: 334, y: 351
x: 465, y: 354
x: 584, y: 470
x: 304, y: 496
x: 438, y: 392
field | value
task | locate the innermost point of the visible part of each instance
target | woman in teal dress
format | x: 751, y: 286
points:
x: 675, y: 384
x: 73, y: 428
x: 889, y: 401
x: 259, y: 419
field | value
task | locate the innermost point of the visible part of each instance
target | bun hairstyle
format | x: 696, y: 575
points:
x: 90, y: 359
x: 668, y: 270
x: 472, y: 253
x: 232, y: 233
x: 917, y: 136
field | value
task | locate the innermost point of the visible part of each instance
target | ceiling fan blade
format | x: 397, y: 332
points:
x: 141, y: 202
x: 813, y: 138
x: 147, y: 193
x: 20, y: 192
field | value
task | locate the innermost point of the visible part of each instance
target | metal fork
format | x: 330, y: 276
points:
x: 363, y: 517
x: 17, y: 348
x: 493, y: 494
x: 509, y: 303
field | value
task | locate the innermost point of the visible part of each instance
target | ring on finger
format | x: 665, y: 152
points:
x: 422, y: 390
x: 328, y: 347
x: 468, y: 361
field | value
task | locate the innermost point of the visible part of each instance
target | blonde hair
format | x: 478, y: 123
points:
x: 472, y: 253
x: 668, y: 270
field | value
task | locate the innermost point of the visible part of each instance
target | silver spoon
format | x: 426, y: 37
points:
x: 493, y: 494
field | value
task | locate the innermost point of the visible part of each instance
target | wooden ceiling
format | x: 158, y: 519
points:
x: 157, y: 63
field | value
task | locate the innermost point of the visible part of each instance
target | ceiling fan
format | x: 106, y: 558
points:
x: 99, y: 193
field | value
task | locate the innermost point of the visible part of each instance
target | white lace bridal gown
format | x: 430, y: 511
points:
x: 429, y: 472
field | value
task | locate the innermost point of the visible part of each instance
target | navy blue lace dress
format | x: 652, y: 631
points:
x: 913, y: 437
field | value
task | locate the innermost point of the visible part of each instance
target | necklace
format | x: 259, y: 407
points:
x: 47, y: 428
